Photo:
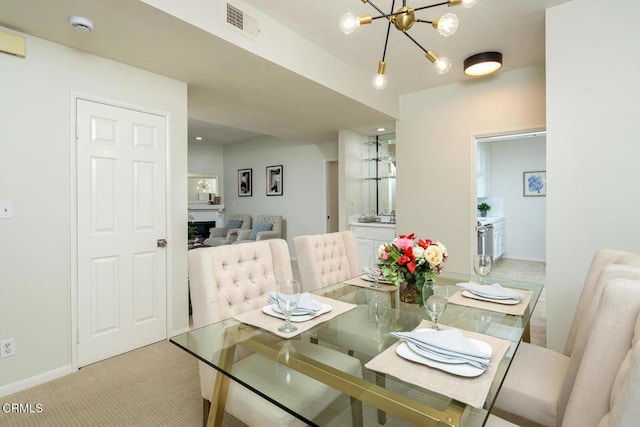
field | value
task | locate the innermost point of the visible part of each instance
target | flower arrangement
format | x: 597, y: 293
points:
x: 411, y: 260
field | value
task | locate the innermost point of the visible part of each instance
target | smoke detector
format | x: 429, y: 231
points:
x: 81, y: 24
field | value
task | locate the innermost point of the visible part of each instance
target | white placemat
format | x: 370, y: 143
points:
x: 359, y: 281
x: 472, y: 391
x: 270, y: 323
x: 516, y: 309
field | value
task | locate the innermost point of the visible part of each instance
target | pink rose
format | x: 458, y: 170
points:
x: 403, y: 243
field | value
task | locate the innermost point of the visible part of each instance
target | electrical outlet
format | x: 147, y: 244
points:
x: 7, y: 347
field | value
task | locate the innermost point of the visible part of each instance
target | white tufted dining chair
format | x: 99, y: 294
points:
x: 325, y: 259
x: 232, y: 279
x: 542, y: 384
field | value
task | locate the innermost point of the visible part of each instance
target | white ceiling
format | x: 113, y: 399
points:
x: 235, y: 95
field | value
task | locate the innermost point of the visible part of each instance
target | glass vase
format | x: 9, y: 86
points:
x: 409, y: 292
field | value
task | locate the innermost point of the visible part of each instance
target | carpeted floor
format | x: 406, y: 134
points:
x: 157, y: 385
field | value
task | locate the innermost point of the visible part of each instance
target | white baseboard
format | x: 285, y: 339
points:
x: 34, y: 381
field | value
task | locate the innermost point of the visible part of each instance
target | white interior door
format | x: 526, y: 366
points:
x: 122, y: 278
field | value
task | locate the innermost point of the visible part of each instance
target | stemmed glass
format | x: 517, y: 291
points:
x: 288, y: 292
x: 482, y: 266
x: 434, y: 296
x: 374, y: 270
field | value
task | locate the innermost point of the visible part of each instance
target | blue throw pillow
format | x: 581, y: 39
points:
x: 261, y: 226
x: 234, y: 223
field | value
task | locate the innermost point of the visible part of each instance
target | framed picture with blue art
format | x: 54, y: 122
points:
x: 535, y: 184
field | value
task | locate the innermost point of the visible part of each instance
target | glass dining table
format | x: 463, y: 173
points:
x: 400, y: 395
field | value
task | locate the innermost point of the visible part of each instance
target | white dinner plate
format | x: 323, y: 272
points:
x: 469, y: 294
x: 371, y: 279
x: 463, y: 369
x: 295, y: 312
x: 269, y: 309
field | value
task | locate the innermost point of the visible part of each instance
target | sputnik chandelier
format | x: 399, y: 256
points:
x: 403, y: 19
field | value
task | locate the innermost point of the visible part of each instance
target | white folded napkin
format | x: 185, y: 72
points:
x: 495, y: 291
x: 449, y: 343
x: 306, y: 304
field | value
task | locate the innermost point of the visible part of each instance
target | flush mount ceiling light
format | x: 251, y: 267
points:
x: 482, y: 64
x: 403, y: 19
x: 81, y: 24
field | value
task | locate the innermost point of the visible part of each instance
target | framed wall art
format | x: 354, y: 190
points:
x: 274, y: 180
x: 245, y: 182
x: 534, y: 184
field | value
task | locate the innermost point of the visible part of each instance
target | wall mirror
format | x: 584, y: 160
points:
x: 202, y: 188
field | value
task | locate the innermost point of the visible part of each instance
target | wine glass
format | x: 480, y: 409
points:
x: 288, y: 292
x: 374, y: 270
x: 482, y: 266
x: 435, y: 301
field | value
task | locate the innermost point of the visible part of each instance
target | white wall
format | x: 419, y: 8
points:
x: 435, y: 152
x: 206, y: 158
x: 303, y: 203
x: 35, y: 173
x: 352, y: 200
x: 592, y: 146
x: 525, y: 216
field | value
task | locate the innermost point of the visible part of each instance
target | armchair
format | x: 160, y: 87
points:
x: 233, y: 279
x: 227, y: 234
x: 265, y: 227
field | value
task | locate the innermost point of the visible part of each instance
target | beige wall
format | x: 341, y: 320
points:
x: 36, y: 167
x: 436, y: 152
x: 593, y: 146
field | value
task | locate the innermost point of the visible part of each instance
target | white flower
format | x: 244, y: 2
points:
x: 445, y: 254
x: 434, y: 255
x: 418, y: 252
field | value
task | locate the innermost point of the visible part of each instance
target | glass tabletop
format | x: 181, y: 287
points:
x: 363, y: 332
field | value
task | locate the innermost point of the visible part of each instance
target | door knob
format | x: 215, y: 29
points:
x: 162, y: 243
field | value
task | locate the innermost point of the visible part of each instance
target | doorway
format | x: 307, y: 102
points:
x: 332, y: 185
x: 503, y: 163
x: 121, y: 212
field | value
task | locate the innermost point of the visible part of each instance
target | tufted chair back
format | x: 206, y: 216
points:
x: 586, y: 303
x: 324, y: 259
x: 608, y: 377
x: 232, y: 279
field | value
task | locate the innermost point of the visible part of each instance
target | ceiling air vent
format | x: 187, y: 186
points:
x: 245, y: 23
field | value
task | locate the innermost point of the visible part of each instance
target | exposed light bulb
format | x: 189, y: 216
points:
x: 348, y: 23
x: 447, y: 24
x: 469, y: 3
x: 379, y: 81
x: 442, y: 65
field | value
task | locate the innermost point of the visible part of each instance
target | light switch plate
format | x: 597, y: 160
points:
x: 6, y: 209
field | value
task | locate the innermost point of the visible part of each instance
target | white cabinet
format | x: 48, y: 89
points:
x: 499, y: 239
x: 483, y: 170
x: 369, y: 237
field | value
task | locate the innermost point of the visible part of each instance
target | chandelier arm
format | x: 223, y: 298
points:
x: 414, y: 40
x: 378, y: 9
x: 386, y: 39
x: 415, y: 9
x: 424, y: 21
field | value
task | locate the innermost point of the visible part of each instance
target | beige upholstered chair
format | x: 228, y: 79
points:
x: 601, y: 259
x: 232, y: 279
x: 325, y: 259
x: 541, y: 384
x: 265, y: 227
x: 227, y: 234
